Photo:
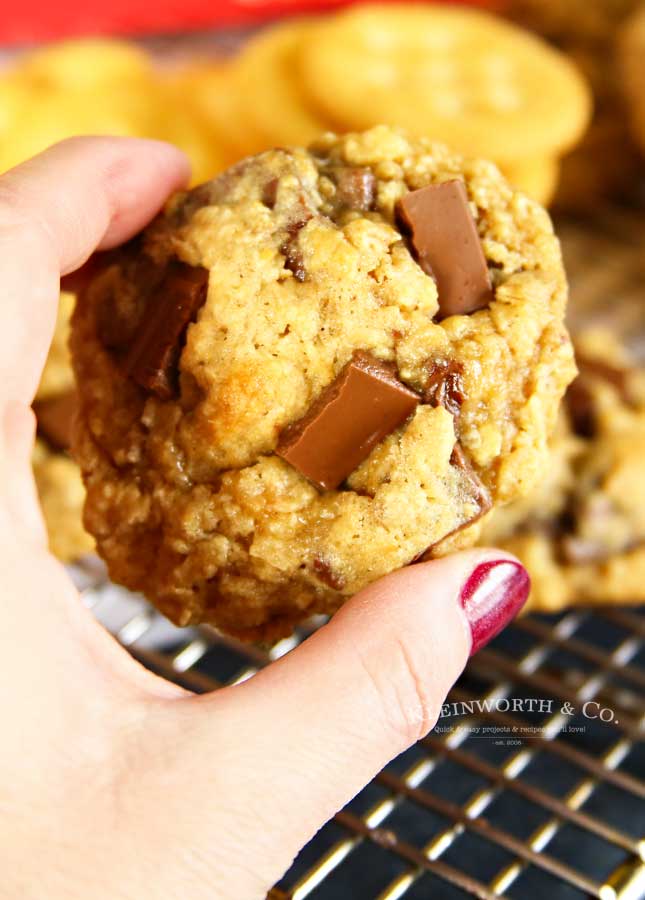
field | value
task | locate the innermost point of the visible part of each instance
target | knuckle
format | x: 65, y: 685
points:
x: 404, y: 695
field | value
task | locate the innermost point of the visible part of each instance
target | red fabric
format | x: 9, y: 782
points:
x: 27, y: 21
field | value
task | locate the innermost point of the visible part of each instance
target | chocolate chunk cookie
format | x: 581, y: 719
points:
x: 581, y: 533
x: 312, y: 371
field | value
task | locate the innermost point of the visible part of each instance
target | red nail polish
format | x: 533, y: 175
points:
x: 492, y: 596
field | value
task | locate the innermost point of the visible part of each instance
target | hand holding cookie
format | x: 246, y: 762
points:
x: 107, y: 733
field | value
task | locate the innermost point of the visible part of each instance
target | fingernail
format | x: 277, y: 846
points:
x: 493, y: 595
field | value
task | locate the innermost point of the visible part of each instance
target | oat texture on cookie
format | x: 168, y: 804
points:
x: 237, y: 476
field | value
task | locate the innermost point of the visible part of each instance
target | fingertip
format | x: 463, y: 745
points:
x: 110, y: 151
x: 138, y: 183
x: 482, y: 589
x: 92, y: 192
x: 493, y: 595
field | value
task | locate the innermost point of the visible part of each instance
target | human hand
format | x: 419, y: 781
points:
x: 128, y: 786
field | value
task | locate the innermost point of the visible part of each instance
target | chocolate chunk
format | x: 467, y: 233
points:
x: 447, y: 246
x: 353, y: 414
x: 292, y: 256
x: 604, y: 370
x: 270, y: 192
x: 444, y: 387
x: 55, y: 417
x: 354, y: 188
x: 327, y: 575
x: 152, y: 358
x: 183, y: 206
x: 579, y: 551
x: 120, y: 313
x: 579, y: 398
x: 293, y: 261
x: 478, y: 493
x: 616, y: 376
x: 187, y: 204
x: 481, y: 495
x: 581, y: 408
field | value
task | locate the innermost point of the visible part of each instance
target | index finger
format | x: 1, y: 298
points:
x: 79, y: 196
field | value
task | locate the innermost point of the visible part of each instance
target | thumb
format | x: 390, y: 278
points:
x: 322, y: 721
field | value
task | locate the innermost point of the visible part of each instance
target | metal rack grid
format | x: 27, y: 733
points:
x: 555, y: 812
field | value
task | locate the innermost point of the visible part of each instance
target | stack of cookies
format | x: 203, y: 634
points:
x: 457, y: 75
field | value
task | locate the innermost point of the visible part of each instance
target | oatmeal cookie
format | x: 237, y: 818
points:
x: 312, y: 371
x: 581, y: 533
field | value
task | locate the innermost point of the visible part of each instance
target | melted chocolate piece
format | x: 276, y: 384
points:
x: 459, y: 460
x: 598, y: 368
x: 364, y: 404
x: 579, y: 398
x: 480, y: 494
x: 444, y: 387
x: 355, y: 188
x: 119, y: 315
x: 327, y: 575
x: 292, y: 255
x: 186, y: 205
x: 55, y: 417
x: 270, y: 192
x: 444, y: 236
x: 581, y: 408
x: 154, y: 354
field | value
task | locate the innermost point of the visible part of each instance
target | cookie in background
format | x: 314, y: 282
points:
x: 205, y: 89
x: 606, y: 165
x: 269, y: 77
x: 460, y: 76
x: 632, y: 60
x: 94, y: 87
x: 581, y: 532
x: 430, y: 69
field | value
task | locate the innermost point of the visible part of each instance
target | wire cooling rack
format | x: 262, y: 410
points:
x: 521, y: 791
